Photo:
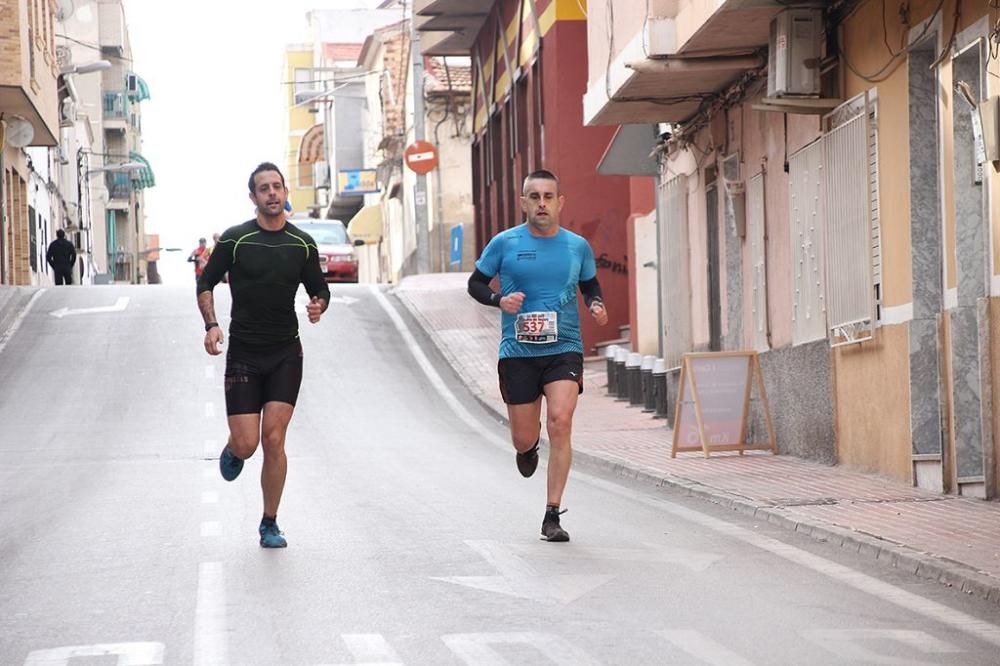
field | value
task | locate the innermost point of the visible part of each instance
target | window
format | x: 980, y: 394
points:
x: 853, y: 237
x: 676, y: 274
x: 758, y: 262
x: 807, y: 224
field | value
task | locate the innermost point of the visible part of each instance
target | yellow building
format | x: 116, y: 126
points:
x: 298, y: 72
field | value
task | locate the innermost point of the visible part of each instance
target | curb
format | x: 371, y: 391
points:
x: 13, y: 303
x: 926, y: 566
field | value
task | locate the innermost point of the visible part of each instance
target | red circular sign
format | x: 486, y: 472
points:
x: 421, y: 157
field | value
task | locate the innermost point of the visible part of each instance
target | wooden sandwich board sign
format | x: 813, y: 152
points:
x: 713, y: 403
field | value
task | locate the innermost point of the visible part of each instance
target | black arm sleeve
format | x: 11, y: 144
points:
x: 591, y: 290
x: 312, y: 276
x: 219, y: 262
x: 479, y: 289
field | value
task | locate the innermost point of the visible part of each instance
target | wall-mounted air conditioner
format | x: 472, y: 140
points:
x: 67, y: 112
x: 794, y: 53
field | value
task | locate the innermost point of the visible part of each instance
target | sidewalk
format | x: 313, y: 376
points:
x: 13, y: 301
x: 953, y: 540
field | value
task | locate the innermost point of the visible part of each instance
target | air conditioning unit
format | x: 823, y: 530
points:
x: 67, y: 112
x: 794, y: 53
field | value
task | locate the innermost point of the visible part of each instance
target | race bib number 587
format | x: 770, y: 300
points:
x: 536, y: 327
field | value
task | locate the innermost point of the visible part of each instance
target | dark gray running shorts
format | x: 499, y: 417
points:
x: 256, y: 374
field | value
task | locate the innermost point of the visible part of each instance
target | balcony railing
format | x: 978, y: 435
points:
x: 119, y: 185
x: 115, y: 106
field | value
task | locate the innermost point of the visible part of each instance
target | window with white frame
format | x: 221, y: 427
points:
x: 756, y: 212
x: 853, y: 235
x: 807, y: 225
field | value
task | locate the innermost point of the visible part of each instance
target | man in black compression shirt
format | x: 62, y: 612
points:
x: 266, y: 258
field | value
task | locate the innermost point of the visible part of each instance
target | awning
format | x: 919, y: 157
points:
x: 138, y: 89
x: 366, y: 225
x: 311, y: 148
x: 144, y: 177
x: 628, y: 153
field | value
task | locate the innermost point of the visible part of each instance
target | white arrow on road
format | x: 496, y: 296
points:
x: 695, y: 560
x: 119, y: 306
x: 346, y: 300
x: 518, y: 579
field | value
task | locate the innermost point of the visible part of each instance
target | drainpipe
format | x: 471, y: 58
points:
x: 693, y: 65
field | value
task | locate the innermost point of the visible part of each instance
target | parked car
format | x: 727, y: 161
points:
x: 337, y: 257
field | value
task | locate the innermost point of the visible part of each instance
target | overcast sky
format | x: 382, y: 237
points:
x: 214, y: 69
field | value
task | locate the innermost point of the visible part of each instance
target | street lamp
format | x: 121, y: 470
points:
x: 127, y: 167
x: 96, y: 66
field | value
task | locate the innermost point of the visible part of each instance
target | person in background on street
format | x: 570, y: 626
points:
x: 199, y: 257
x: 61, y: 256
x: 266, y: 258
x: 540, y: 265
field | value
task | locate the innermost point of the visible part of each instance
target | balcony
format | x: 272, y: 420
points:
x: 119, y: 190
x: 665, y: 64
x: 28, y: 87
x: 116, y: 110
x: 450, y: 27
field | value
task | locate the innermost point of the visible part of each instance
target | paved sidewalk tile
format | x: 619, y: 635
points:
x: 955, y: 530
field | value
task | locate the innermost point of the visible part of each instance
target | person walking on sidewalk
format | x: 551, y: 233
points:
x: 540, y: 265
x: 266, y: 258
x: 61, y: 256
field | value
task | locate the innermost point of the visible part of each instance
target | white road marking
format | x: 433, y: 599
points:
x: 211, y: 647
x: 209, y: 372
x: 906, y: 600
x: 129, y: 654
x: 212, y: 449
x: 5, y: 337
x: 209, y: 410
x: 346, y: 300
x: 119, y: 306
x: 371, y: 650
x: 210, y: 472
x: 697, y: 645
x: 432, y: 373
x: 210, y: 497
x: 478, y: 650
x: 518, y: 579
x: 695, y: 560
x: 211, y: 528
x: 846, y: 643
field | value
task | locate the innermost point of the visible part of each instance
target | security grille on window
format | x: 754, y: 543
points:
x: 807, y: 218
x: 853, y: 239
x: 676, y: 274
x: 758, y: 261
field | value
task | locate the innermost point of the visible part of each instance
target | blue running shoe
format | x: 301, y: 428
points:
x: 270, y: 536
x: 229, y: 465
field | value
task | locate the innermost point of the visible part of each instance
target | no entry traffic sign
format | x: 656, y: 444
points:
x: 421, y: 157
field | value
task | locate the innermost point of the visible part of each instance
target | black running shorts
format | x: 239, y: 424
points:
x: 256, y: 374
x: 523, y: 379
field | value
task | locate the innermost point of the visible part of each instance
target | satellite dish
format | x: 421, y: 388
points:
x: 65, y: 10
x: 19, y: 132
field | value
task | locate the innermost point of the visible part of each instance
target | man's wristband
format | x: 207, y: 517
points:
x: 495, y: 299
x: 210, y: 325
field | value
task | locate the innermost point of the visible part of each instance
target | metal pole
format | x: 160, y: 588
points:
x: 420, y: 191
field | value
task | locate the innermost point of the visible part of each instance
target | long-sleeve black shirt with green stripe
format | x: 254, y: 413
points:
x: 265, y: 269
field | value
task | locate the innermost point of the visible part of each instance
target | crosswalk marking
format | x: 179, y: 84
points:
x: 848, y: 644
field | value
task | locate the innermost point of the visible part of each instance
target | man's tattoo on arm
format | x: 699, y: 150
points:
x: 206, y: 304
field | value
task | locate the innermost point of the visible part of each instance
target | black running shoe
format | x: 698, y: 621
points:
x: 551, y: 530
x: 527, y: 462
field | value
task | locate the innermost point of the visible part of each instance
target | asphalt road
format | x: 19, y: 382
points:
x: 412, y: 539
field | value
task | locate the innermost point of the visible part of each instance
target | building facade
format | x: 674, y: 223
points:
x: 827, y: 196
x: 529, y: 63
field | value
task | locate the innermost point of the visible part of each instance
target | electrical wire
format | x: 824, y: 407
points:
x: 895, y: 60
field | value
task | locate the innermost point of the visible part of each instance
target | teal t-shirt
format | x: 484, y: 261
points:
x: 547, y: 269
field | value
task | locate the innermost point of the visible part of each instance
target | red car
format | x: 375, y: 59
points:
x: 337, y: 257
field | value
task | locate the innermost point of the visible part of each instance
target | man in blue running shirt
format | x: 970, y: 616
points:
x: 541, y: 266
